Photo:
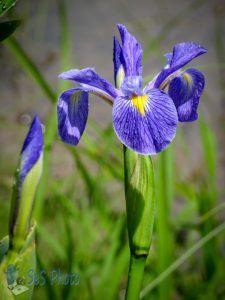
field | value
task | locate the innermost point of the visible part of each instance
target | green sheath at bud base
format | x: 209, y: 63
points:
x: 140, y: 203
x: 20, y: 217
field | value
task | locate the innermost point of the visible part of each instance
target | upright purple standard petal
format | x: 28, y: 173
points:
x: 131, y: 53
x: 116, y: 57
x: 185, y: 90
x: 92, y: 82
x: 182, y: 54
x: 146, y: 128
x: 32, y: 149
x: 72, y: 115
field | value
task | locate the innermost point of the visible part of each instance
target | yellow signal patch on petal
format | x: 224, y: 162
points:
x: 140, y: 102
x: 188, y: 78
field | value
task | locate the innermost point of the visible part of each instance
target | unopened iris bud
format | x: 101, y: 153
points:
x: 26, y: 180
x: 140, y: 203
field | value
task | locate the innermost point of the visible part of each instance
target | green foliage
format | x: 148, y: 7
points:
x: 6, y: 5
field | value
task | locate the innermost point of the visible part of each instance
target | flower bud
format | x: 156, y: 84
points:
x: 27, y: 178
x: 140, y: 203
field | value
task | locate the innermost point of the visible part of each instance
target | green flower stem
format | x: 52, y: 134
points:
x: 135, y: 276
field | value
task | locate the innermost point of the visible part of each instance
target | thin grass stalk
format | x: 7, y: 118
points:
x: 208, y: 197
x: 164, y: 236
x: 28, y: 65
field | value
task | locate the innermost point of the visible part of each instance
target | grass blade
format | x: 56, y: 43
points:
x: 212, y: 234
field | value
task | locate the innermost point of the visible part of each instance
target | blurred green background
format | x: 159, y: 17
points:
x: 80, y: 205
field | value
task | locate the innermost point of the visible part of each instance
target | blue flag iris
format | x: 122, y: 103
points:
x: 144, y: 118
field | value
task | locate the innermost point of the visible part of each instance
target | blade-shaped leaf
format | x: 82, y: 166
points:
x: 7, y: 28
x: 5, y: 5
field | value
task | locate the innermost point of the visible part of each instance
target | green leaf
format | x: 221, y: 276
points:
x: 5, y: 5
x: 120, y: 265
x: 7, y: 28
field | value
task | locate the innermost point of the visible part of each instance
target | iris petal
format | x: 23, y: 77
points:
x: 131, y: 53
x: 168, y: 57
x: 146, y: 133
x: 90, y: 80
x: 32, y: 148
x: 72, y: 115
x: 182, y: 54
x: 185, y: 90
x: 116, y: 57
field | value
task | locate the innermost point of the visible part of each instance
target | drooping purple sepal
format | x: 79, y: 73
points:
x: 131, y: 56
x: 72, y: 112
x: 182, y: 54
x: 32, y: 149
x: 91, y: 82
x: 185, y: 90
x: 149, y: 132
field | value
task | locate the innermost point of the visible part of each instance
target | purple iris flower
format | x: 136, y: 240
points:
x: 144, y: 118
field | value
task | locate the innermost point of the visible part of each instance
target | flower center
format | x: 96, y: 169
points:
x: 140, y: 102
x: 131, y: 85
